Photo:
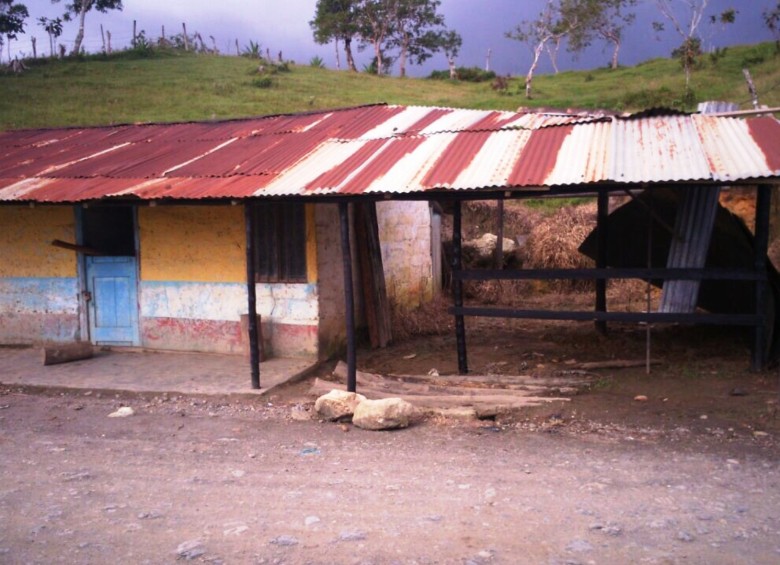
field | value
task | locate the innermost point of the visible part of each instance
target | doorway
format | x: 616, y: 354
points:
x: 111, y: 271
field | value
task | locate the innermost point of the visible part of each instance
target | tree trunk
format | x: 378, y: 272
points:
x: 338, y: 56
x: 378, y: 55
x: 83, y: 7
x: 615, y: 53
x: 51, y: 45
x: 553, y: 53
x: 348, y: 53
x: 451, y: 63
x: 402, y: 61
x: 530, y: 76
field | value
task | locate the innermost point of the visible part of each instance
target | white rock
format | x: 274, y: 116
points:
x: 338, y: 404
x: 384, y: 414
x: 123, y: 412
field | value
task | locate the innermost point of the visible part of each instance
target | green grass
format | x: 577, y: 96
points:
x: 170, y: 86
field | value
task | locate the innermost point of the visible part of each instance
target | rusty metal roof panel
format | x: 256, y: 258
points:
x: 658, y: 149
x: 137, y: 160
x: 382, y: 149
x: 584, y: 156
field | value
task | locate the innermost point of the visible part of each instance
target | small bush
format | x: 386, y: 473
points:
x: 263, y: 82
x: 317, y: 62
x: 466, y: 74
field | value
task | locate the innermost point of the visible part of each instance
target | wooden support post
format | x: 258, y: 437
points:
x: 135, y: 34
x: 457, y: 288
x: 184, y: 34
x: 760, y: 245
x: 349, y: 299
x: 254, y: 341
x: 601, y: 256
x: 372, y: 274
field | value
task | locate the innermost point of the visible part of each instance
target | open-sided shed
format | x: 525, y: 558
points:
x: 252, y: 200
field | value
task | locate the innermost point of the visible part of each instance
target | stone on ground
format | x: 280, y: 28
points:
x: 338, y: 404
x: 383, y: 414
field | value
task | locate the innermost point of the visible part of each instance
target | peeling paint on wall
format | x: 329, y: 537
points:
x: 206, y: 316
x: 405, y: 239
x: 192, y: 243
x: 332, y: 330
x: 38, y: 309
x: 25, y: 241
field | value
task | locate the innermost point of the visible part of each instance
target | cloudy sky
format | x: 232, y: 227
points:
x: 283, y: 25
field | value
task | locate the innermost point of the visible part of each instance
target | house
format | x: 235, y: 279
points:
x: 158, y: 227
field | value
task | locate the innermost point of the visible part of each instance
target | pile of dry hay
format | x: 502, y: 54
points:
x: 554, y: 244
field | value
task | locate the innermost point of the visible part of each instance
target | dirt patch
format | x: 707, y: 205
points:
x: 604, y: 478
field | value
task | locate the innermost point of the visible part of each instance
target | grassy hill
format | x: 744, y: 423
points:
x: 171, y: 86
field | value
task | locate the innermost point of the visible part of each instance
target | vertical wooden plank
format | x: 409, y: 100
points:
x: 349, y: 299
x: 372, y: 275
x: 457, y: 288
x: 254, y: 345
x: 760, y: 246
x: 601, y: 256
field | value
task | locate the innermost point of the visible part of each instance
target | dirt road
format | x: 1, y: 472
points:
x: 203, y: 480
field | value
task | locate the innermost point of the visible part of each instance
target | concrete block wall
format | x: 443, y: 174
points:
x: 405, y: 238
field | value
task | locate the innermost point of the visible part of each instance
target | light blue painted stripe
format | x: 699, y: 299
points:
x: 55, y: 295
x: 288, y: 303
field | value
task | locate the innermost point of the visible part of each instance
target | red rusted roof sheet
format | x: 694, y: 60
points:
x: 383, y: 150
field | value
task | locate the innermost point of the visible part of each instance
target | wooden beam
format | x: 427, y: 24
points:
x: 457, y: 289
x: 54, y: 353
x: 761, y: 244
x: 601, y: 257
x: 254, y: 341
x: 349, y: 298
x: 629, y: 317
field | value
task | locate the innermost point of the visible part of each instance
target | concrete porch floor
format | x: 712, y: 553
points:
x: 150, y: 372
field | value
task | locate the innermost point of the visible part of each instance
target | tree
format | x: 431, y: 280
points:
x: 772, y: 21
x: 53, y: 27
x: 12, y: 17
x: 687, y: 28
x: 376, y: 26
x: 336, y: 20
x: 605, y: 19
x: 419, y: 29
x: 79, y: 8
x: 558, y: 19
x: 450, y: 42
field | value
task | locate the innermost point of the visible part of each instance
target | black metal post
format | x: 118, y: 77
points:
x: 760, y: 246
x: 254, y: 345
x: 349, y: 300
x: 601, y: 256
x: 457, y: 289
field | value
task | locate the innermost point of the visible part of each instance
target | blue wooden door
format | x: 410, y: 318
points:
x: 113, y: 308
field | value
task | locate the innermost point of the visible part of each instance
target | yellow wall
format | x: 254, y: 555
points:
x: 203, y: 243
x: 25, y: 241
x: 311, y: 245
x: 192, y: 243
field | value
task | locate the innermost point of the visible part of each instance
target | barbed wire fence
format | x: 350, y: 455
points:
x: 32, y: 45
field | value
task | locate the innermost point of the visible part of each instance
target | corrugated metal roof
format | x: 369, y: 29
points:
x: 382, y: 149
